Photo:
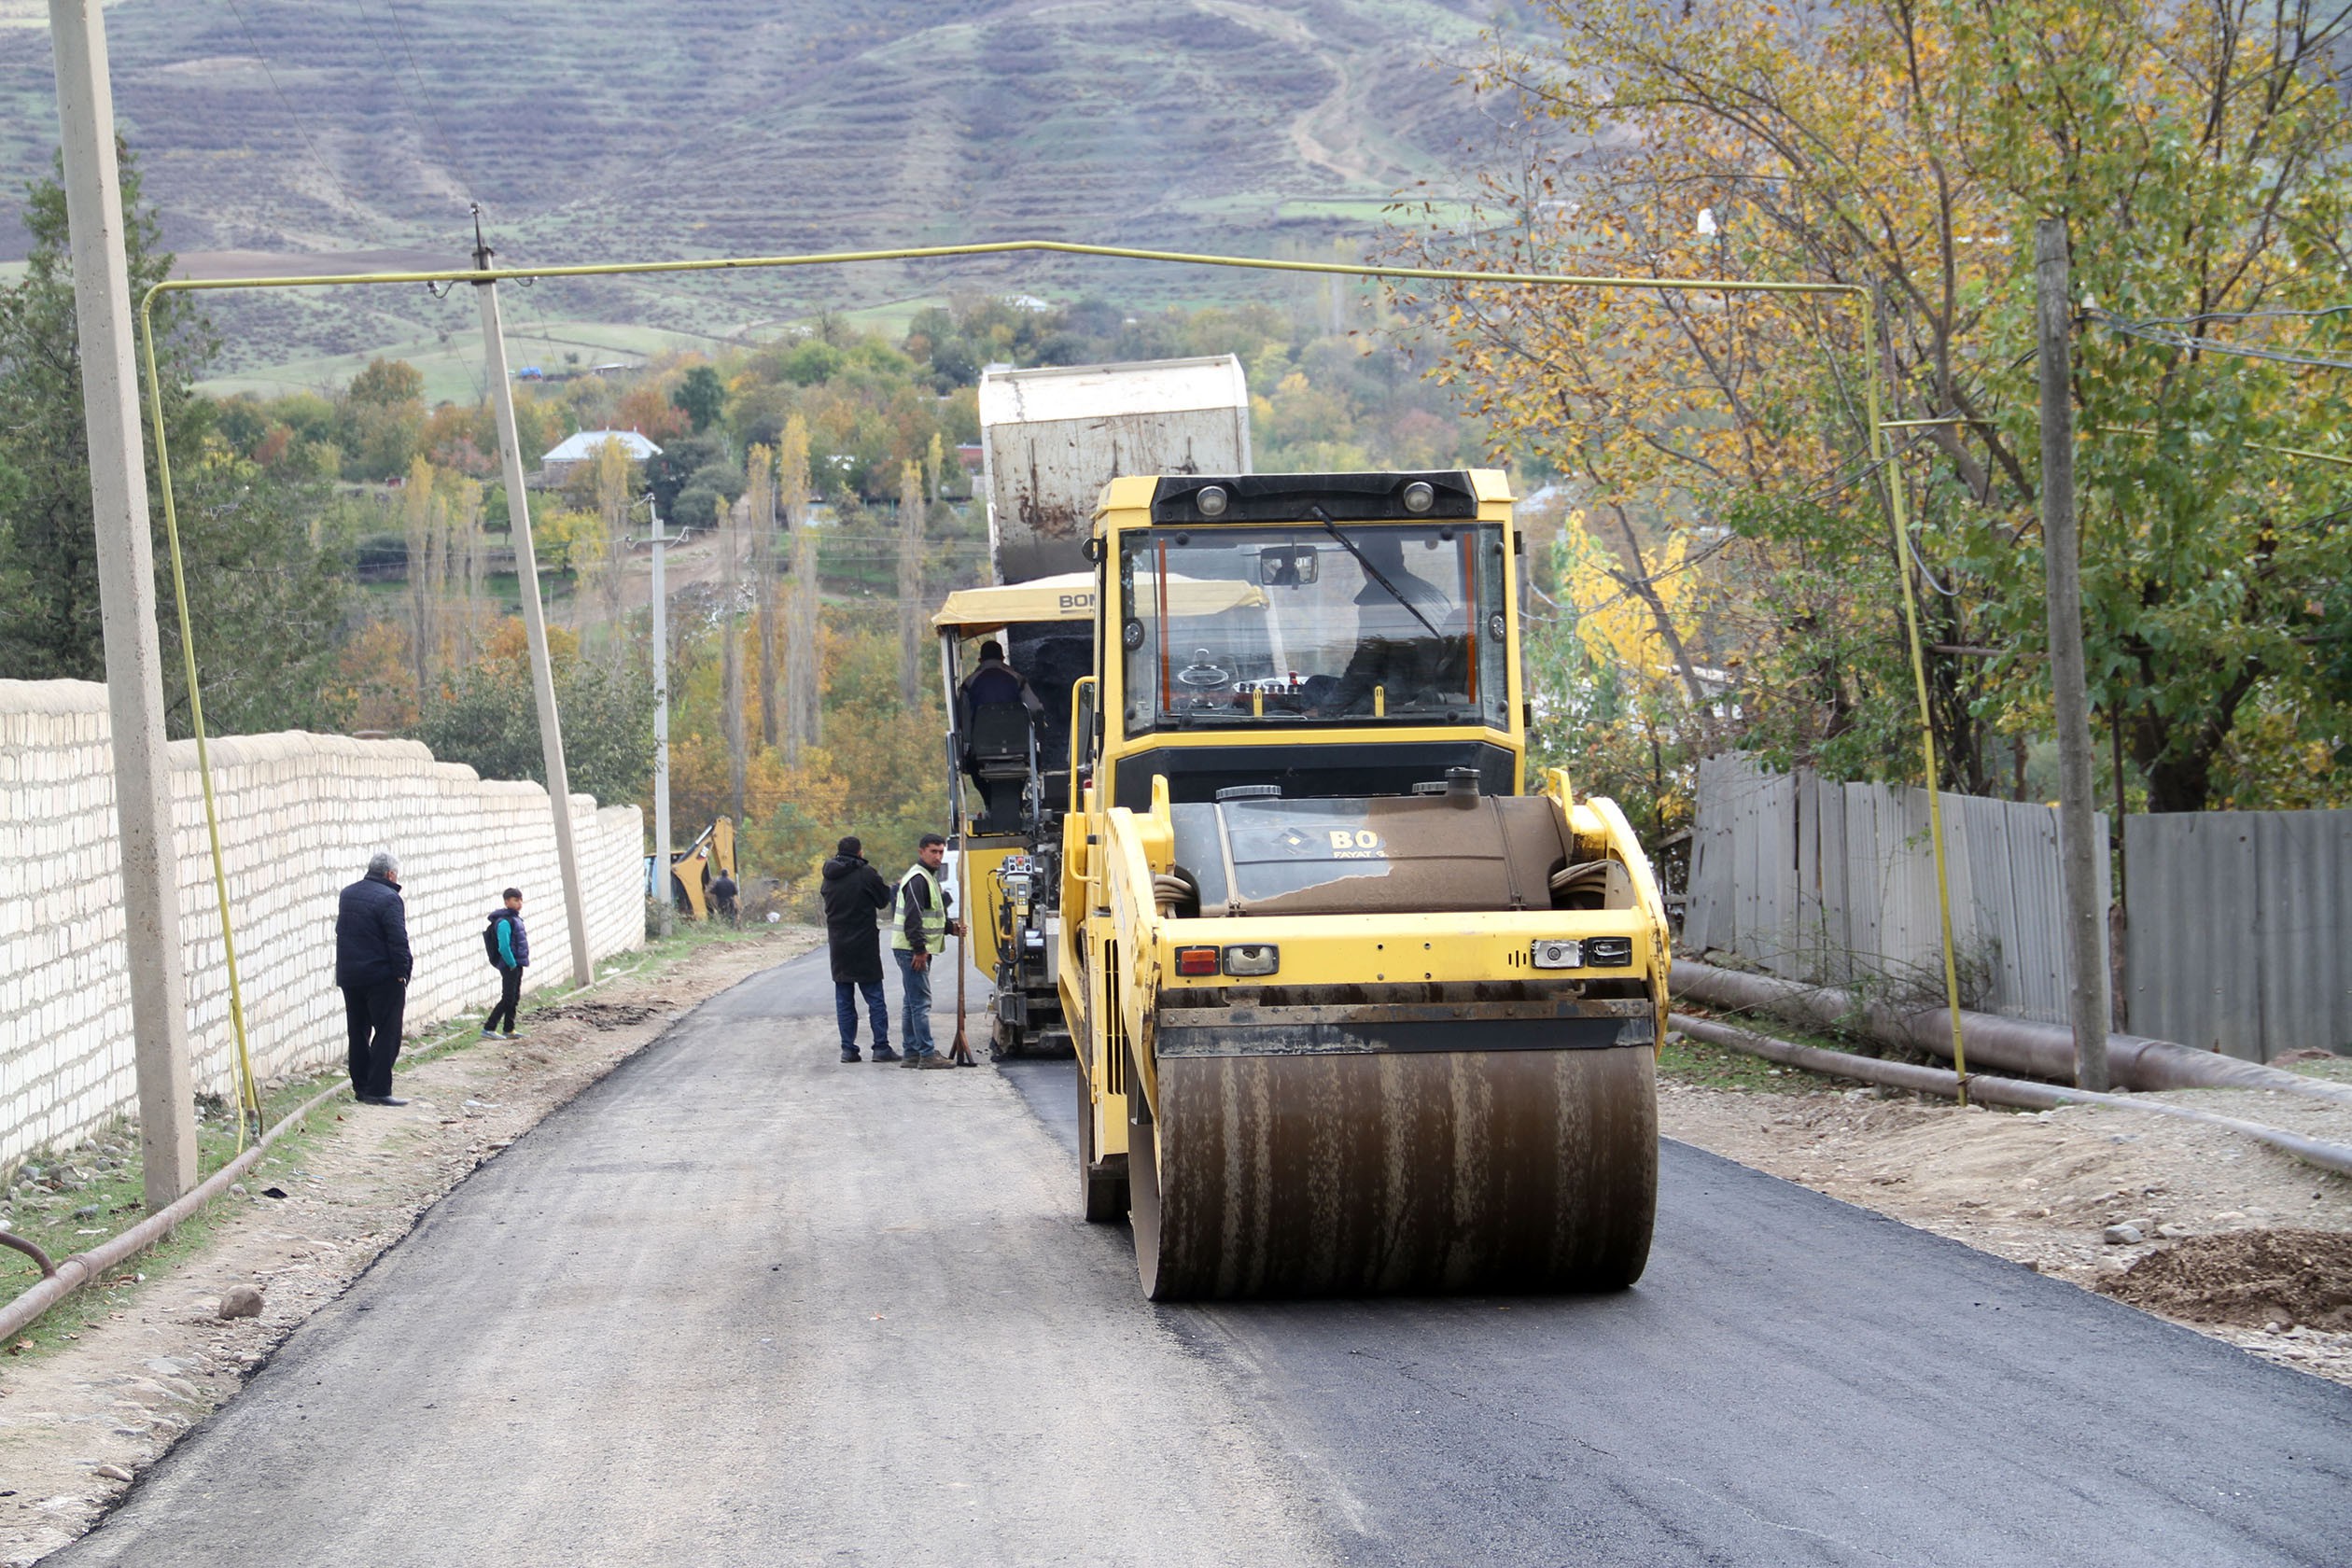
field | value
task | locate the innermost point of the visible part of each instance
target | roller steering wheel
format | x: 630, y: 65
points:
x: 1201, y: 672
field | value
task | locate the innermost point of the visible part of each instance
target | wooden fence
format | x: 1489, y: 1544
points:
x: 1836, y: 884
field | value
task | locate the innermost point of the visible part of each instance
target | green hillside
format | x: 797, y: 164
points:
x: 641, y: 129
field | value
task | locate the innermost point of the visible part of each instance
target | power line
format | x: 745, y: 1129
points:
x: 325, y: 167
x: 392, y: 70
x: 449, y: 148
x: 2209, y: 346
x: 2246, y: 315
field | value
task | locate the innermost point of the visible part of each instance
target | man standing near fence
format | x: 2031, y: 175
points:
x: 372, y: 966
x: 510, y: 949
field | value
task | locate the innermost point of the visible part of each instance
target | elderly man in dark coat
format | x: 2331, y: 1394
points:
x: 855, y: 894
x: 372, y: 966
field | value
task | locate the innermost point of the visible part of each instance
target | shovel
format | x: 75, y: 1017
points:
x: 960, y: 1054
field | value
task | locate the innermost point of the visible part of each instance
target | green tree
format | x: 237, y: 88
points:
x: 49, y: 625
x: 381, y: 420
x: 702, y: 397
x: 486, y: 718
x: 264, y: 595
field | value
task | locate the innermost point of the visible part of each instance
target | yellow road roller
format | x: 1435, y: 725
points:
x: 1354, y: 1013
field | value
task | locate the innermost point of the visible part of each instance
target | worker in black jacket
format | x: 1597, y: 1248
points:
x: 854, y: 895
x: 372, y: 966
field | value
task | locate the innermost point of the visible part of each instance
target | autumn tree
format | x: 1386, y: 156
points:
x: 428, y: 569
x: 803, y: 706
x: 616, y: 491
x: 2198, y: 156
x: 731, y: 655
x: 759, y: 503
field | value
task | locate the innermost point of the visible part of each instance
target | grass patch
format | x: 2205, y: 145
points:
x: 452, y: 364
x: 67, y: 1203
x: 50, y: 1198
x: 1719, y: 1067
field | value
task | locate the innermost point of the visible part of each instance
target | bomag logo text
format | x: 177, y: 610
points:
x: 1077, y: 601
x: 1355, y: 844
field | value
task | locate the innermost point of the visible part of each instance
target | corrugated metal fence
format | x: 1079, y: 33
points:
x: 2240, y: 930
x: 1836, y: 884
x: 2239, y: 923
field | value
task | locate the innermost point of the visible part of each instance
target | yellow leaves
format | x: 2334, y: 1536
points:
x: 792, y: 465
x: 571, y: 540
x: 613, y: 470
x: 1615, y: 624
x: 509, y: 642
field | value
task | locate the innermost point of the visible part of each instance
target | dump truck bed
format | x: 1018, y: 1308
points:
x: 1052, y: 438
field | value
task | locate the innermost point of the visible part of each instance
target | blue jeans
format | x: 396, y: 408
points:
x: 846, y: 1009
x: 915, y: 1004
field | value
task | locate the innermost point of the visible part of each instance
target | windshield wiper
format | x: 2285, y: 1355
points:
x: 1333, y: 528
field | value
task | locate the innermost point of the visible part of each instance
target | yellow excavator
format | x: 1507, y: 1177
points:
x: 693, y: 869
x: 1354, y: 1013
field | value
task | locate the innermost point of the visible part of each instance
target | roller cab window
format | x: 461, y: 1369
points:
x: 1289, y: 625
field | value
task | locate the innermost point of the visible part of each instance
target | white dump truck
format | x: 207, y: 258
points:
x: 1052, y: 438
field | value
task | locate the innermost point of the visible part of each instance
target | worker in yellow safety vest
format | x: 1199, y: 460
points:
x: 919, y: 929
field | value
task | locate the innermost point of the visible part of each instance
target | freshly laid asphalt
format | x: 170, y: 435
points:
x: 741, y: 1303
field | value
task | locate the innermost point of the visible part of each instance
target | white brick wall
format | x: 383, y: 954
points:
x: 299, y: 815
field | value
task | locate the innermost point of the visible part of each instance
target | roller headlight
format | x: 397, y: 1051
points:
x: 1420, y: 497
x: 1210, y: 500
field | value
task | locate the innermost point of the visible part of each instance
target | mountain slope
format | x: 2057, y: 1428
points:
x: 641, y: 129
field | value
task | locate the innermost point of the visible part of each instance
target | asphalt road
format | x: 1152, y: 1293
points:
x: 742, y: 1304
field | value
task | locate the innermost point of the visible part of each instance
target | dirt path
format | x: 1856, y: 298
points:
x: 77, y: 1421
x: 2042, y: 1188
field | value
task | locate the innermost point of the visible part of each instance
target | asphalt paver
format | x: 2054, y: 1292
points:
x: 741, y: 1303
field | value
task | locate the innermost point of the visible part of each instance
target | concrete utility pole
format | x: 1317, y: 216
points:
x: 534, y: 616
x: 126, y: 596
x: 2061, y: 565
x: 660, y: 722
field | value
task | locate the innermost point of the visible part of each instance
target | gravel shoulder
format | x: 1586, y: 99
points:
x: 2042, y: 1188
x: 78, y: 1420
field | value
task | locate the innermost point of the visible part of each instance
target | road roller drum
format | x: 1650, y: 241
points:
x: 1381, y: 1172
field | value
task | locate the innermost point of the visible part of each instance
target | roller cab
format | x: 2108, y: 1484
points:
x: 1354, y: 1011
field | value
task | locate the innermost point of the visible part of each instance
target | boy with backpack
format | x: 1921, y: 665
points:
x: 510, y: 949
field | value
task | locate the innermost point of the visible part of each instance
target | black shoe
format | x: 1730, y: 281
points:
x: 883, y: 1053
x: 851, y: 1055
x: 379, y: 1099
